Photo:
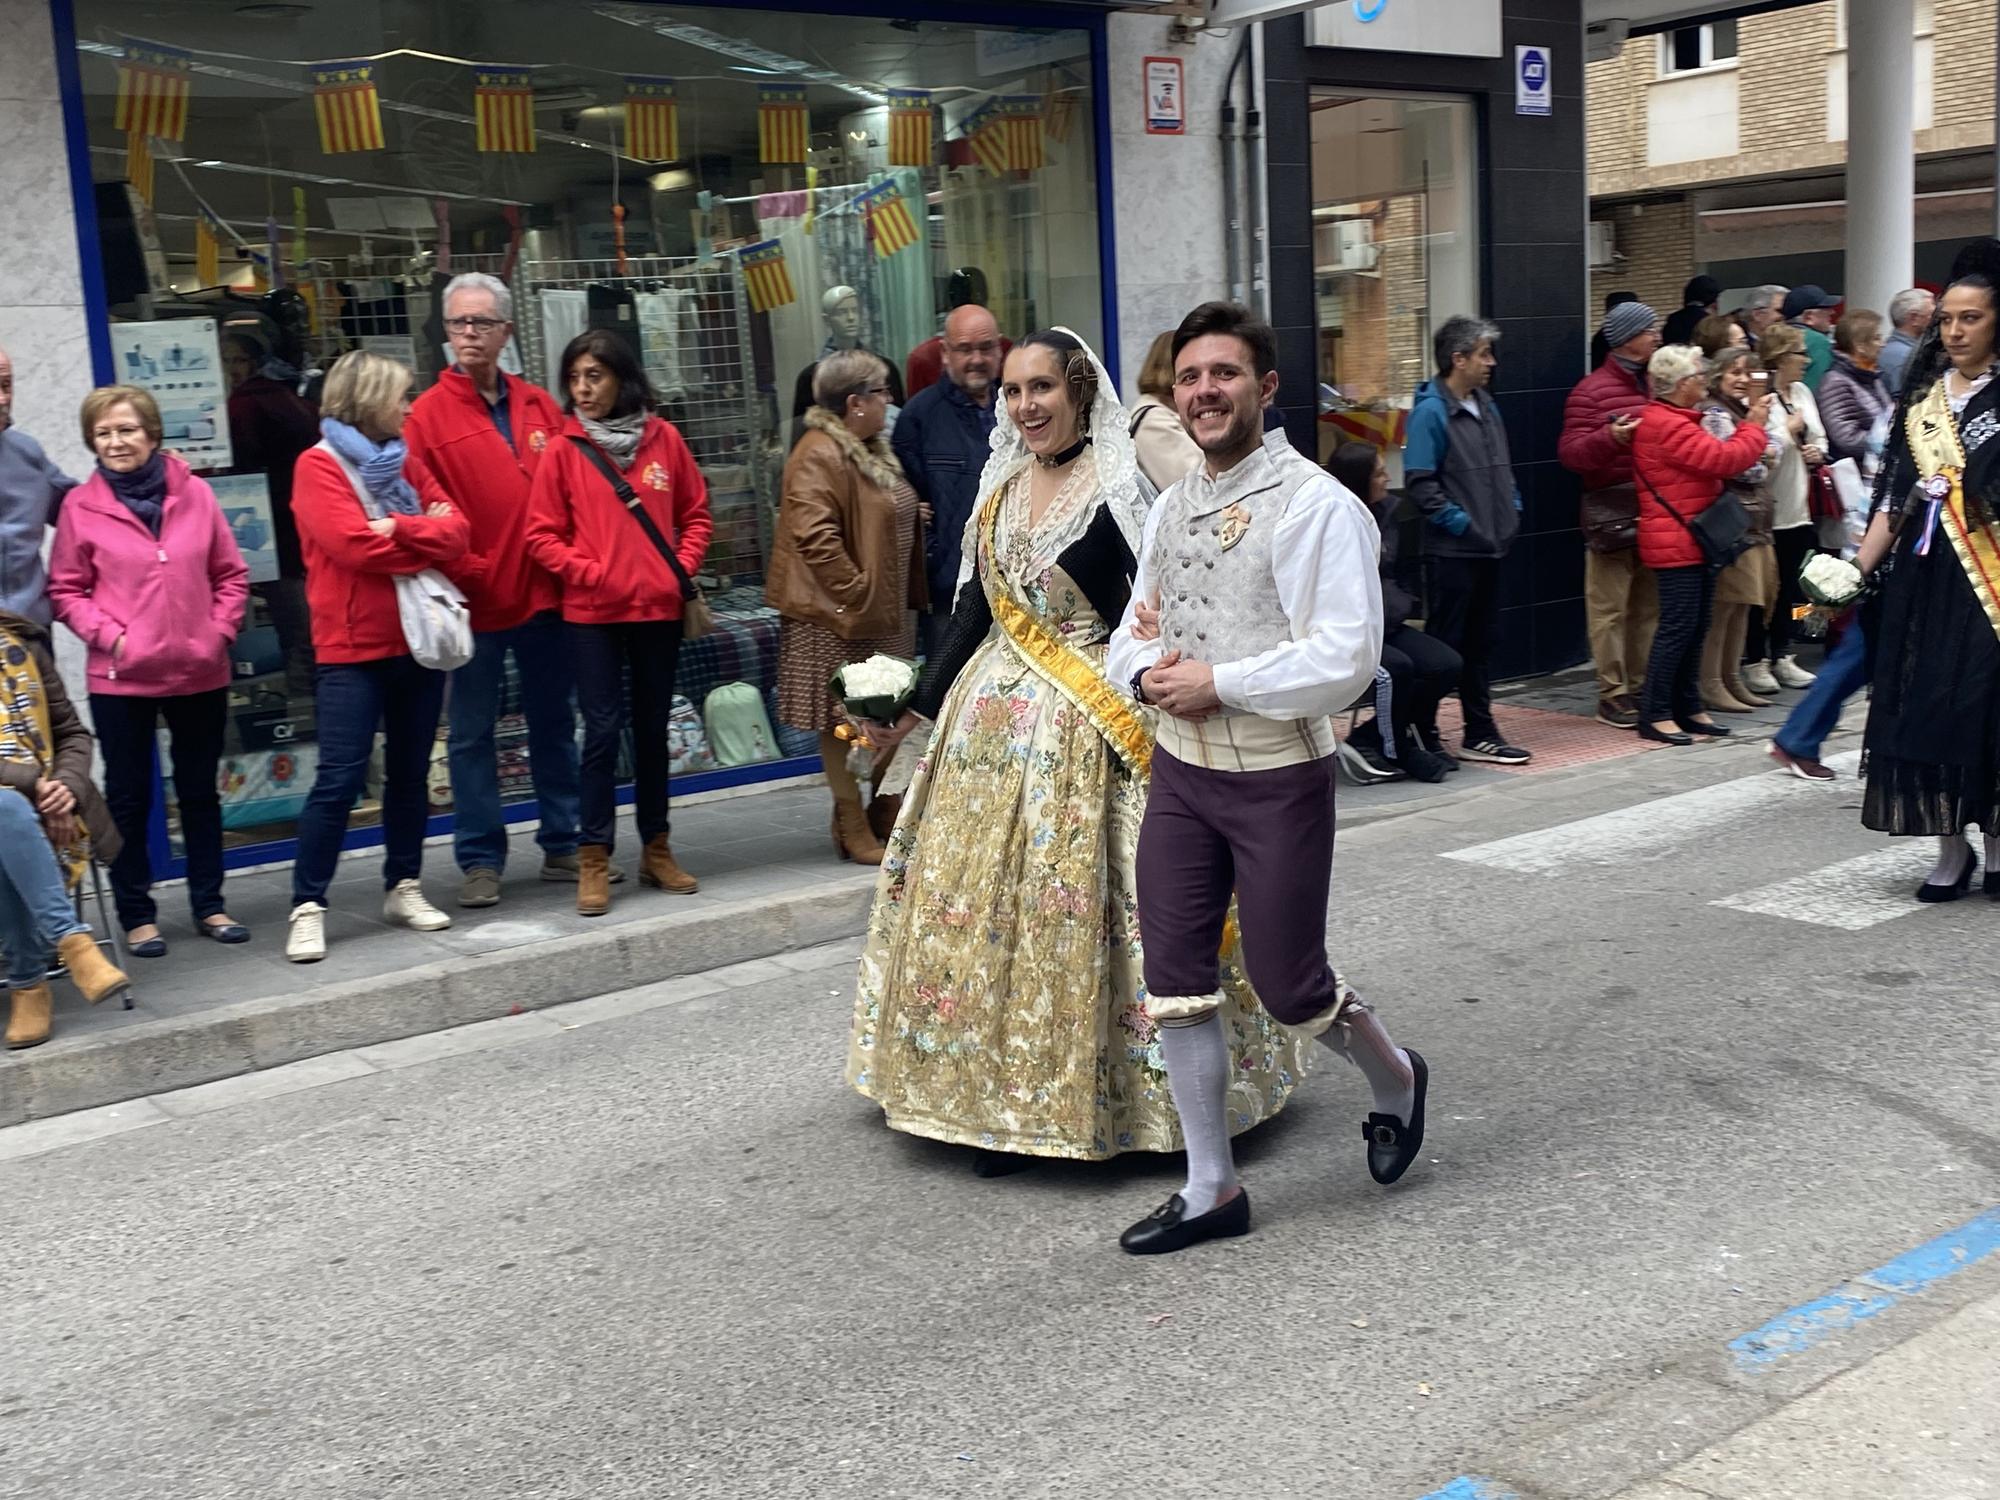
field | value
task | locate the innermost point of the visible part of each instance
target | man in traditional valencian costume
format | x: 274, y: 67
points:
x: 1255, y: 616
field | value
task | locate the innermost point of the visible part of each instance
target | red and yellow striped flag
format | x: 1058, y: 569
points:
x: 207, y: 252
x: 782, y: 127
x: 889, y: 221
x: 348, y: 107
x: 910, y: 132
x: 139, y: 165
x: 766, y: 277
x: 1022, y: 114
x: 986, y: 129
x: 1060, y: 117
x: 503, y: 108
x: 153, y: 91
x: 652, y: 119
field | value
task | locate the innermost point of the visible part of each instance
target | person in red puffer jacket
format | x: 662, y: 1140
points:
x: 483, y: 434
x: 147, y: 573
x: 1680, y: 468
x: 620, y: 594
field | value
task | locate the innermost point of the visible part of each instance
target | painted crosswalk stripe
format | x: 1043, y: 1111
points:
x: 1645, y: 828
x: 1852, y: 895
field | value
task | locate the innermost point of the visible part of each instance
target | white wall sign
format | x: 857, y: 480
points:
x: 1448, y: 28
x: 1534, y: 81
x: 1166, y: 97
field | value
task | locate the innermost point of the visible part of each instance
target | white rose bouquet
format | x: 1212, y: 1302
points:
x: 1831, y: 582
x: 878, y: 689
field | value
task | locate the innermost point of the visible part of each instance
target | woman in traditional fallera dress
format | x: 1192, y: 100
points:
x: 1933, y: 737
x: 999, y: 1003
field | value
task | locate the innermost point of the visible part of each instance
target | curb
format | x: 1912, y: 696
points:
x: 178, y: 1052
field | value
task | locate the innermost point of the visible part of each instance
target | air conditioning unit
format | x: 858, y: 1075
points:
x: 1603, y: 243
x: 1354, y: 246
x: 1604, y: 40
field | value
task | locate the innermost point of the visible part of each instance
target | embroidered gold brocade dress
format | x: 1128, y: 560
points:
x: 1000, y: 1002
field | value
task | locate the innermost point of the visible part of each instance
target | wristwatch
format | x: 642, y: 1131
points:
x: 1139, y: 687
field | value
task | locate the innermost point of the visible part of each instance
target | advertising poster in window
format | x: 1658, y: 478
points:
x: 179, y: 363
x: 246, y: 505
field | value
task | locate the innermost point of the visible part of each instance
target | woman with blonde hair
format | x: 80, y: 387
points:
x: 1166, y: 452
x: 367, y: 512
x: 1751, y: 582
x: 846, y: 572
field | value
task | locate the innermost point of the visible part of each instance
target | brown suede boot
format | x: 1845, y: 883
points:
x: 852, y: 838
x: 28, y: 1026
x: 662, y: 871
x: 1714, y: 691
x: 1732, y: 659
x: 96, y: 978
x: 593, y: 880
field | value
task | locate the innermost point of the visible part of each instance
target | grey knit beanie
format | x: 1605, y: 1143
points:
x: 1626, y: 322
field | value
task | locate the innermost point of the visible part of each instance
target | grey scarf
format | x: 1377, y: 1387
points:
x: 618, y: 437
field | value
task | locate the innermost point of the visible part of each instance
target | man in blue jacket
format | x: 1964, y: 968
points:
x: 31, y: 489
x: 1460, y: 475
x: 942, y: 440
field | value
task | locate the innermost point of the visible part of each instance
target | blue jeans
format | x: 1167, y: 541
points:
x: 1843, y: 674
x: 352, y: 699
x: 541, y: 653
x: 35, y: 911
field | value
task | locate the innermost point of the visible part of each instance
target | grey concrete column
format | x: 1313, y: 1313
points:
x: 1881, y: 151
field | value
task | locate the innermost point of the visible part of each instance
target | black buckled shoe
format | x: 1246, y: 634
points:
x: 1164, y: 1231
x: 1392, y: 1145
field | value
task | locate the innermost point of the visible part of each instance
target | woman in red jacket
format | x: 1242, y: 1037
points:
x: 620, y: 594
x: 147, y: 573
x: 1680, y: 468
x: 366, y: 678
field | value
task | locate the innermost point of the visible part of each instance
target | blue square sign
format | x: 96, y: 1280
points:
x: 1534, y: 81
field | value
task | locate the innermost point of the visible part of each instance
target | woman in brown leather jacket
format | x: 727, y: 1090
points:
x: 847, y: 570
x: 52, y: 821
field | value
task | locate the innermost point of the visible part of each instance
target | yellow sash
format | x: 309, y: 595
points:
x: 1935, y: 445
x: 27, y: 733
x: 1062, y: 666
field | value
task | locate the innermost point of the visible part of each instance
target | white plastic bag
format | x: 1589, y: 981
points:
x: 437, y: 625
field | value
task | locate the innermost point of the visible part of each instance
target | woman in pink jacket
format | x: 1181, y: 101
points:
x: 146, y: 572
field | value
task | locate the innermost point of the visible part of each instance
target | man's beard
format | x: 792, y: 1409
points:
x: 1241, y: 434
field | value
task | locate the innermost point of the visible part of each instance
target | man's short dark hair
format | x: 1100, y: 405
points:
x: 1461, y: 335
x: 1231, y: 320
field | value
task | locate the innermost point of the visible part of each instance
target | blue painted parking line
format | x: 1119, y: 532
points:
x: 1465, y: 1487
x: 1867, y: 1296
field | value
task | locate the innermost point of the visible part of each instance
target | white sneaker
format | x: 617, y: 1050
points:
x: 307, y: 943
x: 406, y: 907
x: 1790, y: 674
x: 1757, y: 677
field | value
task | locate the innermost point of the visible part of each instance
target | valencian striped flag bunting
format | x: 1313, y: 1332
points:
x: 348, y: 107
x: 153, y: 91
x: 910, y: 117
x: 781, y: 123
x: 503, y: 107
x: 139, y: 165
x: 986, y: 129
x: 1022, y: 117
x: 766, y: 276
x: 1060, y: 117
x: 207, y: 251
x: 889, y: 220
x: 652, y: 119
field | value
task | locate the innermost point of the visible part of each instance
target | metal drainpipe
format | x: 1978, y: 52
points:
x: 1231, y: 210
x: 1260, y: 182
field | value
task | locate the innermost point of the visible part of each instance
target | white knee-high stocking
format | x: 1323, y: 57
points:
x: 1953, y: 852
x: 1358, y: 1035
x: 1197, y: 1058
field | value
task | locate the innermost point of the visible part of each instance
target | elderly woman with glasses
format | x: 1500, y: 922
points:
x: 847, y: 571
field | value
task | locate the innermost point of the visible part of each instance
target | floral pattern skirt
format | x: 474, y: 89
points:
x: 1000, y: 1002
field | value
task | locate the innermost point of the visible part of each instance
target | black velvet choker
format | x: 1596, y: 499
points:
x: 1068, y: 455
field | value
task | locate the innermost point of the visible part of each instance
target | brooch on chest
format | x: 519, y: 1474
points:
x: 1235, y: 525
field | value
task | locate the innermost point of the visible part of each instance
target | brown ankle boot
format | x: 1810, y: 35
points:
x: 662, y: 871
x: 28, y: 1026
x: 96, y: 978
x: 852, y: 838
x: 593, y: 880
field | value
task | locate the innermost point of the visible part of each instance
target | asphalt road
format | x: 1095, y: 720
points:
x: 670, y: 1255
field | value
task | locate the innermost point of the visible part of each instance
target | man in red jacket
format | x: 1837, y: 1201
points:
x: 482, y: 433
x: 1621, y: 601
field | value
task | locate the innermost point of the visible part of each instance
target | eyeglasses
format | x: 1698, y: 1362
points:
x: 875, y: 390
x: 480, y: 326
x: 967, y: 350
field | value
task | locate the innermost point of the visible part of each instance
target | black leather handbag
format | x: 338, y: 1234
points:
x: 1722, y: 531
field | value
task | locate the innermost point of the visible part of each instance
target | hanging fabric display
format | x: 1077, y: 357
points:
x: 766, y: 277
x: 207, y: 251
x: 910, y: 127
x: 1061, y: 115
x: 652, y: 119
x: 503, y: 108
x: 986, y: 129
x: 1022, y: 114
x: 348, y: 107
x: 889, y: 222
x: 139, y: 165
x: 812, y: 198
x: 782, y: 128
x: 153, y: 86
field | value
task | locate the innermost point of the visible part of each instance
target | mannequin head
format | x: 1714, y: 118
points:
x: 841, y: 307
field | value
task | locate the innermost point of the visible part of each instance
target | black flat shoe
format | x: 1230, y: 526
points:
x: 1661, y: 737
x: 225, y: 932
x: 1935, y: 894
x: 999, y: 1163
x: 1712, y: 729
x: 153, y: 947
x: 1991, y: 885
x: 1392, y: 1145
x: 1164, y: 1231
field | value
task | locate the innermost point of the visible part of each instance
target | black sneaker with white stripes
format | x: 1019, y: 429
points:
x: 1495, y: 751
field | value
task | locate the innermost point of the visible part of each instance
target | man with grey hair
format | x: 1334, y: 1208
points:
x: 1460, y: 475
x: 1910, y: 313
x: 482, y: 434
x: 31, y: 488
x: 1764, y: 307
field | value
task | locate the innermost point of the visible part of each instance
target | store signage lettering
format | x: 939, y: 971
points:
x: 1166, y: 97
x: 1534, y: 83
x: 1445, y: 28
